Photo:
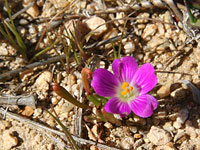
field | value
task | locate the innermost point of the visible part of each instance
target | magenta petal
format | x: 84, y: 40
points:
x: 114, y: 105
x: 144, y: 105
x: 104, y: 83
x: 145, y: 78
x: 125, y: 68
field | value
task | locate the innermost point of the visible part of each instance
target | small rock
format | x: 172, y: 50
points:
x: 178, y: 135
x: 158, y: 136
x: 67, y: 106
x: 108, y: 125
x: 127, y: 142
x: 42, y: 84
x: 137, y: 136
x: 162, y: 47
x: 129, y: 47
x: 177, y: 125
x: 95, y: 22
x: 149, y: 30
x: 23, y: 22
x: 28, y: 111
x: 156, y: 41
x: 146, y: 140
x: 9, y: 140
x: 185, y: 145
x: 113, y: 32
x: 138, y: 143
x: 32, y: 29
x: 142, y: 15
x: 54, y: 100
x: 37, y: 112
x: 173, y: 116
x: 3, y: 51
x: 189, y: 130
x: 159, y: 66
x: 161, y: 29
x: 170, y: 146
x: 133, y: 129
x: 48, y: 10
x: 164, y: 90
x: 178, y: 93
x: 71, y: 79
x: 167, y: 18
x: 95, y: 130
x: 59, y: 3
x: 4, y: 124
x: 182, y: 115
x: 33, y: 11
x: 120, y: 15
x: 93, y: 147
x: 50, y: 146
x: 168, y: 127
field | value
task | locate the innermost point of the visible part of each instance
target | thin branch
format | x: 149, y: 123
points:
x: 39, y: 127
x: 8, y: 75
x: 173, y: 72
x: 21, y: 11
x: 19, y: 100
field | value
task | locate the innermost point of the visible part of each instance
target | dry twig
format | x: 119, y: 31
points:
x: 8, y: 75
x: 19, y: 100
x: 39, y: 127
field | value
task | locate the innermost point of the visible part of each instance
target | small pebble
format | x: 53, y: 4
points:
x: 108, y: 125
x: 4, y: 124
x: 137, y: 136
x: 127, y: 142
x: 54, y: 100
x: 149, y: 30
x: 95, y: 22
x: 142, y: 15
x: 182, y: 115
x: 129, y: 47
x: 158, y: 136
x: 33, y: 11
x: 133, y: 129
x: 177, y: 125
x: 169, y: 146
x: 67, y: 106
x: 168, y: 127
x: 138, y: 143
x: 9, y: 140
x: 159, y: 65
x: 178, y: 93
x: 164, y: 90
x: 23, y: 22
x: 37, y: 112
x: 178, y: 135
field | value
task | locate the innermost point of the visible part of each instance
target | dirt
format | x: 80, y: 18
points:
x: 158, y: 39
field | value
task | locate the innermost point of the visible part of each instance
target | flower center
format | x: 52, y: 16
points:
x: 127, y: 92
x: 126, y: 89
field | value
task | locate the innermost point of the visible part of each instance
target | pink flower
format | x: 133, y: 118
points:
x: 127, y: 87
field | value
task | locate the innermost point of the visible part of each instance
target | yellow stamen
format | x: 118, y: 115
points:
x: 124, y: 85
x: 123, y: 93
x: 126, y: 88
x: 131, y: 88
